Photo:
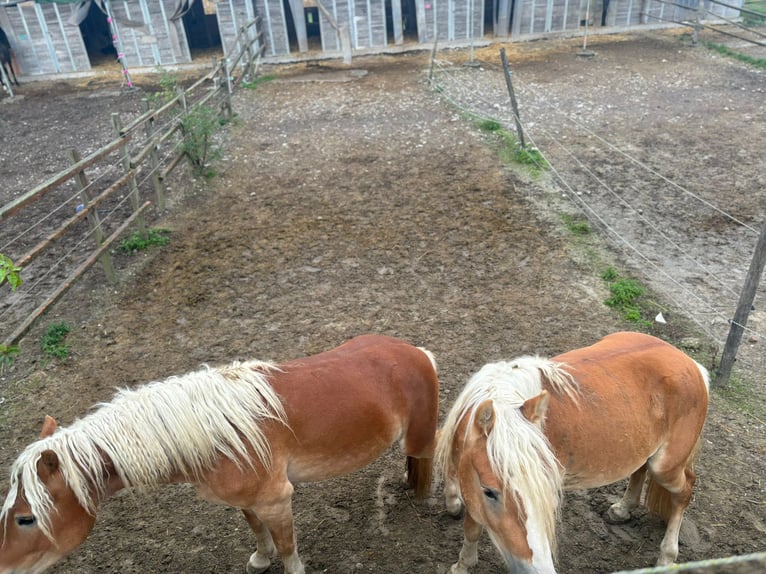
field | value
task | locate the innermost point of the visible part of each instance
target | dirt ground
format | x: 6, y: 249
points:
x: 360, y: 201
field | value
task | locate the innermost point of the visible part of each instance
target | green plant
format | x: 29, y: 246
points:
x: 532, y: 157
x: 53, y: 341
x: 489, y: 125
x: 9, y: 272
x: 257, y: 81
x: 752, y: 20
x: 168, y: 89
x: 199, y: 126
x: 609, y: 274
x: 575, y: 225
x: 625, y: 296
x: 138, y: 241
x: 8, y: 354
x: 726, y: 51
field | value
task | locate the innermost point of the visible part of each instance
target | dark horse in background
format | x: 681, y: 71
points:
x: 5, y: 58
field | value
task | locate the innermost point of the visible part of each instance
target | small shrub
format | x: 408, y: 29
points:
x: 199, y: 126
x: 53, y: 341
x: 139, y: 242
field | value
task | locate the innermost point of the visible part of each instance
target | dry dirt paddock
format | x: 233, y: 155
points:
x: 349, y: 203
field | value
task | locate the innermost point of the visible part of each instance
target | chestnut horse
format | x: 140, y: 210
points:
x: 243, y: 434
x: 523, y: 431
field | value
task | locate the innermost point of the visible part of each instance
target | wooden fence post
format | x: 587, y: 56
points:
x: 154, y: 159
x: 132, y: 185
x: 95, y: 221
x: 746, y: 298
x: 514, y: 105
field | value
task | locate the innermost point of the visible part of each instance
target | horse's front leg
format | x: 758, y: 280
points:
x: 469, y: 553
x: 620, y: 511
x: 452, y: 498
x: 274, y: 514
x: 265, y: 550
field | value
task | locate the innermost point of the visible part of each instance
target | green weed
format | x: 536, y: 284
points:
x: 54, y: 341
x: 139, y: 242
x: 625, y: 296
x: 8, y: 354
x: 9, y: 272
x: 575, y: 225
x: 255, y: 82
x: 726, y: 51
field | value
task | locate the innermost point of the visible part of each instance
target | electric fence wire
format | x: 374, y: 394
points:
x: 461, y: 88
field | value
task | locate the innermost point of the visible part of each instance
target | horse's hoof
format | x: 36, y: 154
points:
x: 257, y: 564
x: 454, y: 507
x: 616, y: 515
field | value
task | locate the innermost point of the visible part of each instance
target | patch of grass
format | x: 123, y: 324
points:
x: 625, y: 296
x: 742, y: 395
x: 489, y: 125
x: 139, y: 242
x: 726, y: 51
x: 575, y: 225
x: 257, y: 81
x: 54, y: 341
x: 8, y: 354
x: 752, y: 20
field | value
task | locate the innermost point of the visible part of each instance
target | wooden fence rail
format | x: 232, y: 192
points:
x: 111, y: 203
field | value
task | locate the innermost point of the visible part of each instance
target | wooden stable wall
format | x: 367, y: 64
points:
x: 42, y: 42
x: 542, y: 17
x: 158, y: 42
x: 450, y: 20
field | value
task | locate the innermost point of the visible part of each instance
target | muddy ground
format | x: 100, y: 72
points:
x: 352, y: 202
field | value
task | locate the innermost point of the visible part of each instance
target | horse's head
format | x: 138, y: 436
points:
x: 39, y: 528
x: 503, y: 495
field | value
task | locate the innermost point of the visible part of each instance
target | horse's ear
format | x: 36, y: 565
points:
x: 48, y: 464
x: 485, y: 417
x: 49, y: 426
x: 534, y: 409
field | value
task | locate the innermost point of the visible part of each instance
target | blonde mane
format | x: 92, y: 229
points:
x: 518, y: 450
x: 179, y: 426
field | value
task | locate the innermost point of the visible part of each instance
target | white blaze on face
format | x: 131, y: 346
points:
x: 542, y: 560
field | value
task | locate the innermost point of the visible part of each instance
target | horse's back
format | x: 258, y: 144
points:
x: 347, y: 405
x: 636, y: 394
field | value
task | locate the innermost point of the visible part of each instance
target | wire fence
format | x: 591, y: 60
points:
x: 56, y: 231
x: 618, y: 187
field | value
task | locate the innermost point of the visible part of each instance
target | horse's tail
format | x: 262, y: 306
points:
x: 420, y: 475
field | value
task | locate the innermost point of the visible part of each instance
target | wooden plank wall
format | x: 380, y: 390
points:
x: 450, y: 19
x: 231, y: 16
x: 42, y: 41
x: 275, y: 36
x: 158, y: 42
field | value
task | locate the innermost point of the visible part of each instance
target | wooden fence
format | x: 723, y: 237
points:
x: 108, y: 191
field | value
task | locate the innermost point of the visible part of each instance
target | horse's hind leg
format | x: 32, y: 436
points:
x: 620, y: 511
x: 668, y: 494
x: 265, y: 551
